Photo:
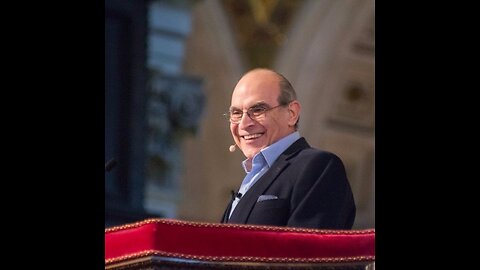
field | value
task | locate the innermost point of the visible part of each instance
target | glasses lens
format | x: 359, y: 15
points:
x: 234, y: 116
x: 254, y: 113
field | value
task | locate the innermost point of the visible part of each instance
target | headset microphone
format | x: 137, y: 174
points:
x: 110, y: 164
x: 232, y: 148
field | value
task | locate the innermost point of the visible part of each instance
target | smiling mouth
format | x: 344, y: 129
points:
x: 252, y: 136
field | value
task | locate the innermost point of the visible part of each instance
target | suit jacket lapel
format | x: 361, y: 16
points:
x: 229, y: 207
x: 246, y: 203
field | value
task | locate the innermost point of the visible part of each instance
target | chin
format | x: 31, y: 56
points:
x: 250, y: 152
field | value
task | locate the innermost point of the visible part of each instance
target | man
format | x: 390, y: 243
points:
x: 288, y: 183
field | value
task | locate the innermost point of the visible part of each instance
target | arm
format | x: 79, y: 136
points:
x: 321, y: 196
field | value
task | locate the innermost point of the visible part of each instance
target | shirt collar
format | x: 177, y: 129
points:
x: 273, y: 151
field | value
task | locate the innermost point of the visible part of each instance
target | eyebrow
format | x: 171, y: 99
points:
x: 258, y: 103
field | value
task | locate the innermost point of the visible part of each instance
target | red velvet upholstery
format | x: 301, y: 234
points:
x: 231, y: 242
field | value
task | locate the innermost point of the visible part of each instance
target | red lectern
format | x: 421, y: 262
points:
x: 175, y: 244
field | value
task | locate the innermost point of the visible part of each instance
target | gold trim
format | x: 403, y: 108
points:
x: 234, y: 226
x: 147, y: 253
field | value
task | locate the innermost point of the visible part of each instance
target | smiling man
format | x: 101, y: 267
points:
x: 287, y: 182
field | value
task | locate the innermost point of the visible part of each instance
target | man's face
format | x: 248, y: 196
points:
x: 256, y: 90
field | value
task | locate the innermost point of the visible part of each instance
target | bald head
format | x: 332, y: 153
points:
x: 264, y: 73
x: 258, y: 80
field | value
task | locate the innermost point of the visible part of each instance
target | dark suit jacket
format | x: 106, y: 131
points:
x: 312, y: 190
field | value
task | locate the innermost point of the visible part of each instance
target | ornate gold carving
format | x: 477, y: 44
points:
x: 260, y: 27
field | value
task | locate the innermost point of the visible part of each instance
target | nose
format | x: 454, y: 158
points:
x: 246, y: 120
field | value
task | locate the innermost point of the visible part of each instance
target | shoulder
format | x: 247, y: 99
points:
x: 316, y: 156
x: 318, y: 153
x: 302, y: 150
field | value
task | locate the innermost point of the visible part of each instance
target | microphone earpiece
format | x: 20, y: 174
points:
x: 110, y: 164
x: 232, y: 148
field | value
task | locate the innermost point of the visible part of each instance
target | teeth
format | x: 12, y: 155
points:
x: 252, y: 136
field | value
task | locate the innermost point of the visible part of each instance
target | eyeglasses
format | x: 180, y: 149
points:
x: 254, y: 112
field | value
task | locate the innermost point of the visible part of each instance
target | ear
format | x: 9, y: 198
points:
x: 294, y: 111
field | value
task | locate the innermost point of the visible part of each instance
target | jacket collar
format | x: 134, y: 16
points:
x: 245, y: 205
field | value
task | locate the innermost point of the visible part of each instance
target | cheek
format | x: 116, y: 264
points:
x: 274, y: 130
x: 233, y: 130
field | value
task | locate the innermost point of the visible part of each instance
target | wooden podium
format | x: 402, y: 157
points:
x: 175, y: 244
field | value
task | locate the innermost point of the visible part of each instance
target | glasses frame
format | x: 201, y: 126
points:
x: 250, y: 113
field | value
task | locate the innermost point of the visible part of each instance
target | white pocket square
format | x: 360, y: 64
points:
x: 266, y: 197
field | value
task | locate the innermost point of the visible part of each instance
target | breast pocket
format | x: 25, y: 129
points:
x: 270, y: 212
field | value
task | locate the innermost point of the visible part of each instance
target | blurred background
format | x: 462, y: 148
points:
x: 170, y: 68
